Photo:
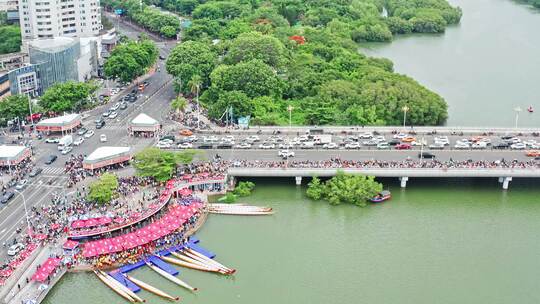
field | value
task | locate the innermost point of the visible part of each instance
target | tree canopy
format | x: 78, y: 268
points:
x: 261, y: 58
x: 344, y: 188
x: 10, y: 35
x: 67, y: 96
x: 159, y: 164
x: 103, y: 189
x: 131, y: 59
x: 12, y: 107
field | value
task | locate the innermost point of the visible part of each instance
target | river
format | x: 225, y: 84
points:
x: 484, y: 67
x: 442, y: 241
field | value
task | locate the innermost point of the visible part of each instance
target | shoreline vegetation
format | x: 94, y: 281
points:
x: 264, y: 59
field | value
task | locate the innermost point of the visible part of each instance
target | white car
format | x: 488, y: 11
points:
x: 286, y: 153
x: 115, y: 106
x: 103, y: 138
x: 331, y: 145
x: 365, y: 135
x: 113, y: 115
x: 89, y: 134
x: 352, y: 145
x: 192, y: 138
x: 66, y: 150
x: 20, y: 185
x: 166, y: 140
x: 253, y: 138
x: 14, y: 249
x: 379, y: 138
x: 53, y: 140
x: 78, y: 141
x: 436, y: 146
x: 303, y: 138
x: 419, y: 143
x: 518, y: 146
x: 442, y: 139
x: 529, y: 142
x: 227, y: 138
x: 162, y: 144
x: 383, y: 145
x: 479, y: 145
x: 185, y: 145
x: 400, y: 135
x: 267, y: 146
x: 210, y: 139
x: 243, y: 145
x: 461, y: 145
x: 285, y: 145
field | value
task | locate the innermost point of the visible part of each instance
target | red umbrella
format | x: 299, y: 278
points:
x: 77, y: 224
x: 104, y: 220
x: 55, y: 226
x: 70, y: 245
x: 6, y: 272
x: 40, y: 236
x: 91, y: 222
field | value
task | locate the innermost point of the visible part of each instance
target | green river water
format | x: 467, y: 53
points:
x: 441, y: 241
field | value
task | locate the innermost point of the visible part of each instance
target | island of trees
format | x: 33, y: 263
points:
x: 344, y: 189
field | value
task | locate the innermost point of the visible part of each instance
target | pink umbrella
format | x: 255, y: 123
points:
x: 119, y: 220
x: 40, y: 236
x: 104, y: 220
x: 6, y: 272
x: 70, y: 245
x: 55, y: 226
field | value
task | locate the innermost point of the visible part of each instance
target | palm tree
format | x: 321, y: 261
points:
x: 179, y: 104
x: 195, y: 85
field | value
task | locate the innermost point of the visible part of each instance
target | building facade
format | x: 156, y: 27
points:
x: 56, y: 18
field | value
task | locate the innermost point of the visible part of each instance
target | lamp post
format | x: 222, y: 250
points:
x: 405, y: 109
x: 31, y: 114
x: 25, y: 212
x: 517, y: 110
x: 289, y: 108
x: 198, y: 109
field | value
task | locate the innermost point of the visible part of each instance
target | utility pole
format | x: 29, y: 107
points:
x: 405, y: 109
x: 290, y: 109
x: 26, y: 213
x: 517, y: 110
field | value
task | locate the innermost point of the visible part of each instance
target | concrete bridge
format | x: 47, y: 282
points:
x: 504, y: 175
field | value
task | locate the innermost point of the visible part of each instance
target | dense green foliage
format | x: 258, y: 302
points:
x: 159, y: 164
x: 244, y: 188
x: 344, y: 188
x: 151, y: 19
x: 131, y: 59
x: 103, y: 189
x: 68, y: 96
x: 10, y: 35
x: 259, y: 68
x: 535, y: 3
x: 12, y: 107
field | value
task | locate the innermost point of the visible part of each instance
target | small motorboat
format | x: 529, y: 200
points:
x: 530, y: 109
x: 381, y: 197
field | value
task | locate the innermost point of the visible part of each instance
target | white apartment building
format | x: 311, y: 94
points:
x: 9, y: 5
x: 41, y: 19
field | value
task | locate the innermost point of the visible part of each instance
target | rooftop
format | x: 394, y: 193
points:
x: 143, y: 119
x: 107, y: 152
x: 59, y: 120
x: 53, y: 44
x: 10, y: 151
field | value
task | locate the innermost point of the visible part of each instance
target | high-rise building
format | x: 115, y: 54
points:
x: 8, y: 5
x: 54, y: 18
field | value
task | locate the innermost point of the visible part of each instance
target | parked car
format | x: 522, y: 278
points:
x: 123, y: 106
x: 185, y: 145
x: 21, y: 184
x: 163, y: 145
x: 53, y: 140
x: 267, y: 146
x: 171, y: 138
x: 243, y: 145
x: 436, y: 146
x: 8, y: 195
x: 479, y: 145
x: 461, y: 145
x: 14, y: 249
x: 115, y: 107
x: 35, y: 172
x: 383, y: 146
x: 186, y: 132
x: 286, y: 153
x: 352, y: 145
x: 113, y: 115
x: 100, y: 125
x: 50, y: 159
x: 82, y: 131
x: 518, y: 146
x: 78, y: 141
x: 426, y: 155
x: 365, y: 135
x: 89, y: 134
x: 66, y: 150
x: 370, y: 143
x: 106, y: 113
x: 103, y: 138
x: 501, y: 145
x: 331, y: 145
x: 403, y: 147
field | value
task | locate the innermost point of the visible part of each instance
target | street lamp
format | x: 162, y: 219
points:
x: 289, y: 108
x: 25, y: 212
x: 405, y: 109
x: 517, y: 110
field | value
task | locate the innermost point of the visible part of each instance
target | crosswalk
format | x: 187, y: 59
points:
x: 52, y: 171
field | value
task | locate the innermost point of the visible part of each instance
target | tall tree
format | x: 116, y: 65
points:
x: 159, y: 164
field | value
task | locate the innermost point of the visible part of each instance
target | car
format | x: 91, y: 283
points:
x: 14, y: 249
x: 123, y: 106
x: 286, y: 153
x: 53, y: 140
x: 408, y: 139
x: 267, y: 146
x: 50, y: 159
x: 115, y: 107
x: 21, y: 184
x: 379, y: 138
x: 161, y: 57
x: 106, y: 113
x: 210, y: 139
x: 103, y: 138
x: 35, y: 172
x: 418, y: 143
x: 162, y: 145
x: 78, y: 141
x: 479, y: 145
x: 461, y: 145
x: 286, y: 145
x: 66, y: 150
x: 224, y: 146
x: 365, y: 135
x: 370, y: 143
x: 426, y: 155
x: 253, y: 138
x: 8, y: 195
x: 82, y: 131
x: 403, y: 147
x: 436, y: 146
x: 166, y: 141
x: 530, y: 142
x: 331, y: 145
x: 352, y: 145
x: 244, y: 145
x: 442, y: 139
x: 532, y: 153
x: 99, y: 120
x: 394, y: 142
x: 186, y: 132
x: 185, y: 145
x: 205, y: 146
x: 113, y: 115
x: 383, y: 145
x: 518, y: 146
x: 307, y: 145
x: 501, y: 145
x: 191, y: 138
x: 89, y: 133
x: 400, y: 135
x: 170, y: 138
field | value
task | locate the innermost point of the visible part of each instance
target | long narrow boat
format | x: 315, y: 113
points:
x: 151, y: 288
x: 241, y: 212
x: 122, y: 287
x: 170, y: 277
x: 113, y: 287
x: 189, y: 259
x: 241, y: 208
x: 190, y: 265
x: 204, y: 259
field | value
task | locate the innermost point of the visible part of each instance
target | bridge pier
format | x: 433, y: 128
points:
x: 403, y: 181
x: 505, y: 182
x: 298, y: 180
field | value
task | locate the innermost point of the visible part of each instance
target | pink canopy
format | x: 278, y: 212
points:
x: 6, y: 272
x: 185, y: 192
x: 70, y: 245
x: 46, y: 269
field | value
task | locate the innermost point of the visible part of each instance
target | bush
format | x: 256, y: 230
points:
x: 243, y: 189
